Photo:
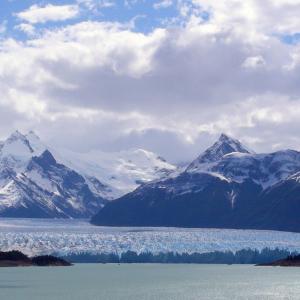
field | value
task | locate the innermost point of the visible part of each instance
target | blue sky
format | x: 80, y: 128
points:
x: 165, y: 75
x: 145, y: 14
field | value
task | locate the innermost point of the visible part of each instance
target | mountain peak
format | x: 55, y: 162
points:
x: 16, y: 143
x: 32, y: 134
x: 45, y: 159
x: 18, y: 149
x: 234, y: 143
x: 224, y: 145
x: 35, y: 142
x: 225, y: 137
x: 16, y: 135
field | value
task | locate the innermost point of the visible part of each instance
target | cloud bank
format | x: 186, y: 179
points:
x: 216, y: 67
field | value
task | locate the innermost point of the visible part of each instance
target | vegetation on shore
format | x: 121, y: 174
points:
x: 18, y: 259
x: 290, y: 261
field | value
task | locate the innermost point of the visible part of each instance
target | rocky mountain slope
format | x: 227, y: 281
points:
x: 34, y: 184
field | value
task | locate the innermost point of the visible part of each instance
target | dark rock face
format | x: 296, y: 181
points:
x: 70, y: 185
x: 280, y: 206
x: 236, y: 190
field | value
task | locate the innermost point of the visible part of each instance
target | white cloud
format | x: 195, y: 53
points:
x: 131, y: 3
x: 163, y: 4
x: 3, y: 27
x: 254, y: 17
x: 172, y: 90
x: 26, y: 28
x: 254, y: 62
x: 42, y: 14
x: 95, y: 5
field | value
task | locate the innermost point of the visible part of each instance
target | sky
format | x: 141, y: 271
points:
x: 166, y: 75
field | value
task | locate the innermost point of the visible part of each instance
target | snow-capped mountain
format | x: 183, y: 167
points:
x: 121, y: 172
x: 17, y: 150
x: 263, y: 169
x: 38, y: 181
x: 223, y: 146
x: 228, y: 186
x: 33, y: 184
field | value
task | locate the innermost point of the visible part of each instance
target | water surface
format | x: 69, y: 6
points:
x: 149, y: 282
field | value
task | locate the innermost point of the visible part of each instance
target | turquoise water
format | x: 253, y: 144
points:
x: 149, y: 282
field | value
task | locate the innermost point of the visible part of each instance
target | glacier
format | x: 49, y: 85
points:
x: 64, y: 236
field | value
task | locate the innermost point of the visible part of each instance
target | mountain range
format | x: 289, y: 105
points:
x: 227, y: 186
x: 37, y: 181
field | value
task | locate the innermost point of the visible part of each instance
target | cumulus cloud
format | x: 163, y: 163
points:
x: 42, y: 14
x: 172, y: 90
x: 257, y: 17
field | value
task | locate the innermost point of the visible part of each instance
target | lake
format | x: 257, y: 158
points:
x: 149, y: 282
